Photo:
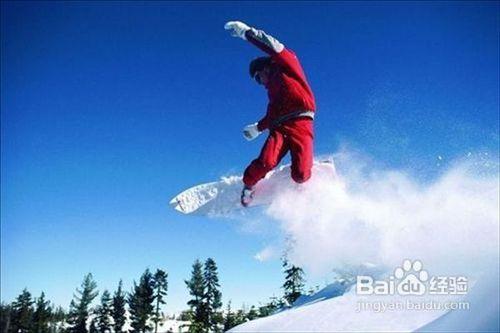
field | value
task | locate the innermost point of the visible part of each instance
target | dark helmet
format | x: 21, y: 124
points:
x: 259, y: 64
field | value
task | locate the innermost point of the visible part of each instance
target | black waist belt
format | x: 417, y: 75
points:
x: 292, y: 115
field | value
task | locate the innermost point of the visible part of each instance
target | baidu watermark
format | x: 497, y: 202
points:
x: 411, y: 279
x: 409, y: 305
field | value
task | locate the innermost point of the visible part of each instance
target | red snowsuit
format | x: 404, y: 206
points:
x: 289, y: 115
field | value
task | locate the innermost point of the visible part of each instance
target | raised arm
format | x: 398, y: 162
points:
x: 263, y: 41
x: 279, y: 54
x: 259, y: 38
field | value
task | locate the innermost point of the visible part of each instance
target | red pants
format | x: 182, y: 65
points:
x: 295, y: 136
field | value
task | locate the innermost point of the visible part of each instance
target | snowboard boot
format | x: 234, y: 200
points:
x: 246, y: 195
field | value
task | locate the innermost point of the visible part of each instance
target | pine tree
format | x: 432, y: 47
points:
x: 71, y: 318
x: 212, y: 296
x: 269, y: 308
x: 93, y: 326
x: 22, y: 313
x: 265, y: 310
x: 103, y: 313
x: 229, y: 320
x: 160, y: 292
x: 294, y: 282
x: 5, y: 317
x: 141, y: 303
x: 79, y: 307
x: 57, y: 320
x: 232, y: 319
x: 240, y: 317
x: 185, y: 315
x: 196, y: 290
x: 252, y: 314
x: 118, y: 309
x: 42, y: 315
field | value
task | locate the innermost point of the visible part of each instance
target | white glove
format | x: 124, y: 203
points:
x: 251, y: 131
x: 237, y: 28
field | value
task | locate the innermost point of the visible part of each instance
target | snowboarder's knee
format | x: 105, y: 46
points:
x: 266, y: 164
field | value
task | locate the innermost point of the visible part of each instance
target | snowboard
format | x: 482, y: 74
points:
x: 223, y: 196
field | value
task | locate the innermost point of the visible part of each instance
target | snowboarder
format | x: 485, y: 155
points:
x: 290, y: 111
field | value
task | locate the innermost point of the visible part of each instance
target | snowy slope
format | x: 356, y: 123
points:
x: 484, y: 312
x: 340, y: 314
x: 332, y: 290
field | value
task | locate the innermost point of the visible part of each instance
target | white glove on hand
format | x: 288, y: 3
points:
x: 251, y: 131
x: 237, y: 28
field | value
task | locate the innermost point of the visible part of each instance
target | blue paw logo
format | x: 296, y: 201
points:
x: 412, y: 276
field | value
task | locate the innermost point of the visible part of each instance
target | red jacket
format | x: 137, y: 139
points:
x: 287, y: 89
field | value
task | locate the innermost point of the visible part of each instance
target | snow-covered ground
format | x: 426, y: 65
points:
x: 484, y: 312
x: 174, y: 326
x: 343, y: 313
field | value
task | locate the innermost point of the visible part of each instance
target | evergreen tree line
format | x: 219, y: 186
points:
x: 28, y: 315
x: 144, y: 303
x: 205, y: 312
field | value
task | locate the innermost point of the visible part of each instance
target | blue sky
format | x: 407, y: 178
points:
x: 109, y: 109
